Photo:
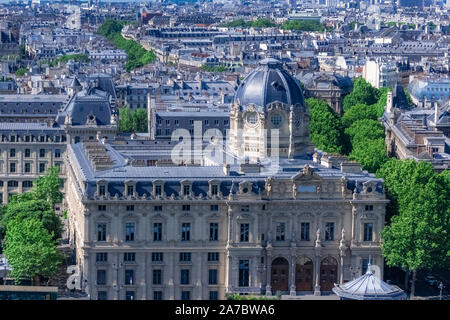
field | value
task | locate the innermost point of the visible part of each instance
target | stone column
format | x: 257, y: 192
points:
x: 171, y: 281
x: 292, y: 275
x: 143, y: 268
x: 254, y: 270
x: 230, y: 273
x: 268, y: 272
x: 317, y: 274
x: 198, y: 285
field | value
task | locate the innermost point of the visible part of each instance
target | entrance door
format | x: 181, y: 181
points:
x: 328, y: 274
x: 280, y: 275
x: 304, y: 274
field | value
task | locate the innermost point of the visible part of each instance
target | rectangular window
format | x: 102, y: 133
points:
x: 244, y: 234
x: 101, y: 232
x: 101, y: 256
x: 57, y: 153
x: 130, y: 228
x: 102, y: 190
x: 158, y: 208
x: 329, y: 231
x: 304, y: 234
x: 214, y: 189
x: 281, y: 231
x: 157, y: 190
x: 186, y: 232
x: 184, y: 276
x: 245, y: 208
x: 186, y: 190
x: 102, y: 295
x: 130, y: 207
x: 129, y: 295
x: 213, y: 295
x: 244, y: 273
x: 212, y: 277
x: 157, y: 256
x: 185, y: 256
x: 157, y: 277
x: 214, y: 207
x: 12, y: 153
x: 41, y: 167
x: 101, y: 207
x: 186, y: 207
x: 185, y: 295
x: 27, y: 184
x: 157, y: 295
x: 364, y: 264
x: 13, y: 183
x: 369, y: 207
x: 101, y: 277
x: 129, y: 277
x: 27, y: 153
x: 12, y: 167
x: 368, y: 231
x: 213, y: 256
x: 157, y: 231
x: 129, y: 257
x: 130, y: 190
x: 41, y: 153
x: 213, y: 231
x: 27, y: 168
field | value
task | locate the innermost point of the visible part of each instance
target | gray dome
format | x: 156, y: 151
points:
x: 267, y: 84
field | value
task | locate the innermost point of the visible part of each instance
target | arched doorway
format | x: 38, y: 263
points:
x: 304, y: 274
x: 280, y: 275
x: 328, y: 273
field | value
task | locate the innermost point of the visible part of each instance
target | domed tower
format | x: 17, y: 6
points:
x: 269, y: 102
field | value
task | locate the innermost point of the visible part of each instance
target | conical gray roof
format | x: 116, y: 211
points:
x: 369, y: 287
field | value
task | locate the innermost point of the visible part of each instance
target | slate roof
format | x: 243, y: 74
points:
x: 267, y: 84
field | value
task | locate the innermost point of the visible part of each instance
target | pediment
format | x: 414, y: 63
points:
x: 307, y: 174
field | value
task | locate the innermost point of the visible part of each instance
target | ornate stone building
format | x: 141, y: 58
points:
x: 330, y: 87
x: 198, y: 232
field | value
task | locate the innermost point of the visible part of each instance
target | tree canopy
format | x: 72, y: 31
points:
x: 363, y: 93
x: 418, y: 235
x: 31, y: 249
x: 138, y: 56
x: 133, y: 121
x: 326, y: 131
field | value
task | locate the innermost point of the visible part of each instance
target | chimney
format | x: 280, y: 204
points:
x: 226, y: 169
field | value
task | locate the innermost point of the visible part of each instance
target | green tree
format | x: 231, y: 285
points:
x: 418, y: 235
x: 304, y: 25
x: 31, y: 250
x: 48, y: 187
x: 140, y: 120
x: 326, y: 131
x: 370, y: 153
x: 357, y: 112
x: 363, y: 92
x: 21, y: 72
x: 365, y: 129
x: 125, y: 120
x: 34, y: 208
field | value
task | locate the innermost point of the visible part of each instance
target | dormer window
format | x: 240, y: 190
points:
x: 186, y: 190
x: 130, y: 190
x: 214, y: 189
x: 101, y: 190
x: 157, y: 190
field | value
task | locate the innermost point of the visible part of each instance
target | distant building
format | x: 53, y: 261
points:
x: 425, y: 91
x: 380, y: 73
x: 330, y: 87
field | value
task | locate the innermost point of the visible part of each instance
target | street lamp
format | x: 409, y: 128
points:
x: 440, y: 286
